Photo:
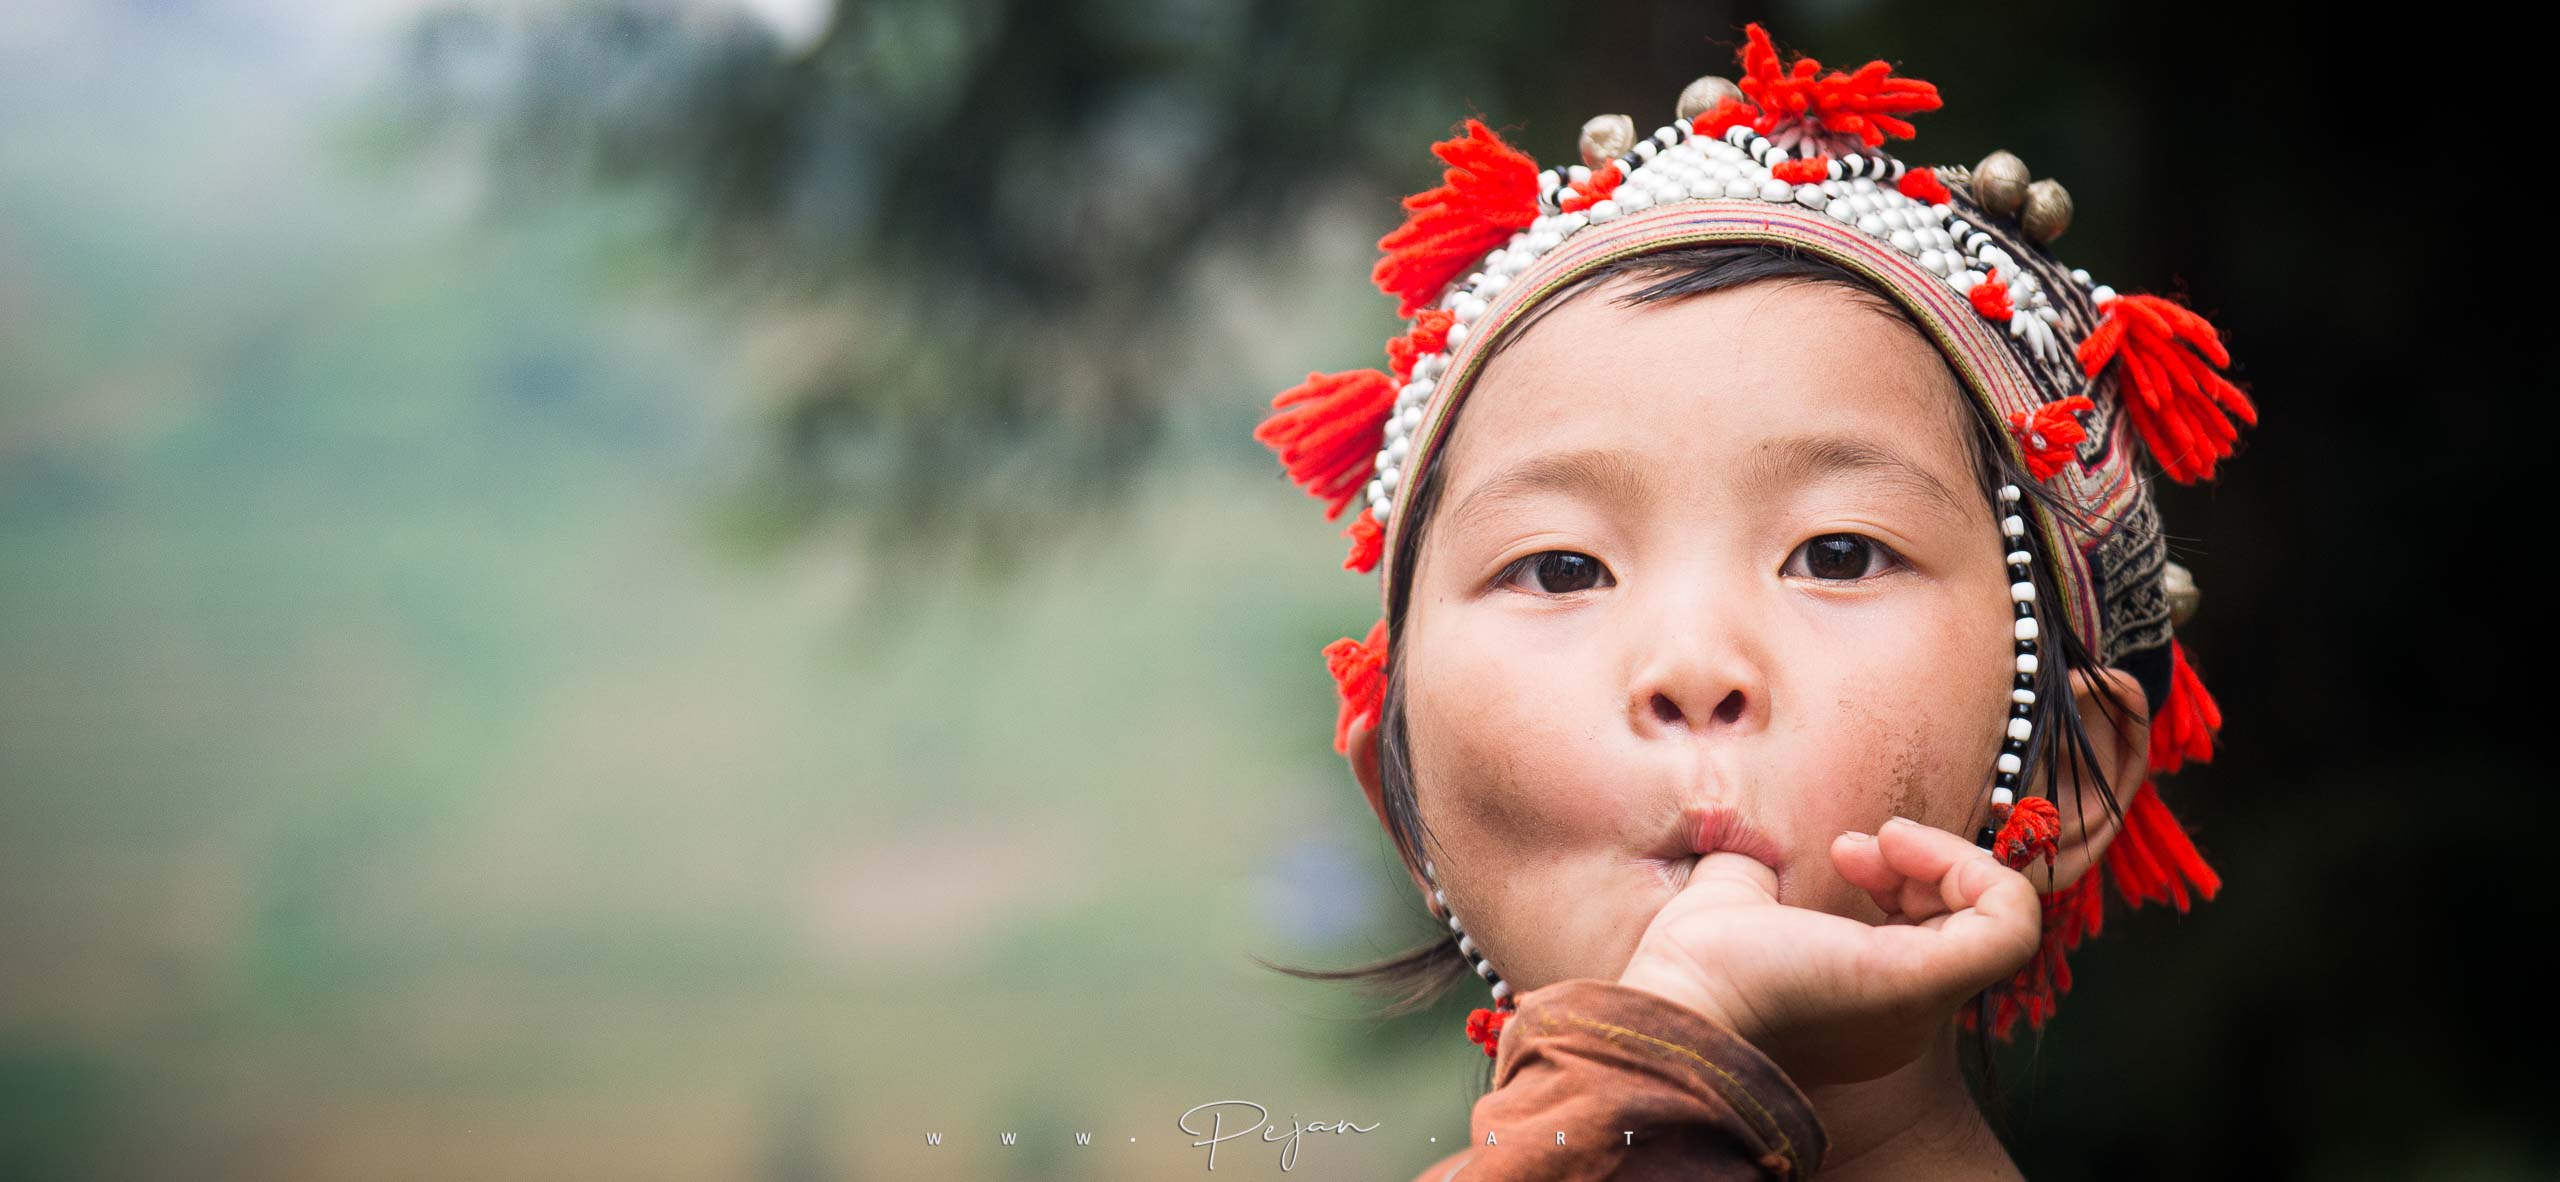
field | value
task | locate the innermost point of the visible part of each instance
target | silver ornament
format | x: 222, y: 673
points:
x: 1605, y: 138
x: 2000, y: 183
x: 1705, y: 95
x: 2180, y: 587
x: 2048, y: 211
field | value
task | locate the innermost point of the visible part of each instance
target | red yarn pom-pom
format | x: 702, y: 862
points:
x: 1484, y: 1028
x: 1327, y: 431
x: 2051, y: 435
x: 2188, y: 717
x: 1429, y: 334
x: 1489, y: 190
x: 2033, y: 830
x: 1368, y: 539
x: 1359, y: 669
x: 1921, y: 184
x: 2171, y: 385
x: 1991, y: 298
x: 1812, y: 170
x: 1867, y: 104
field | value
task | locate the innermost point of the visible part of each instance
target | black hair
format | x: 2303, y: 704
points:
x: 1417, y: 977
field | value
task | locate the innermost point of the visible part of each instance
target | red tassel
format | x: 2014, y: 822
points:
x: 1489, y: 191
x: 1327, y: 431
x: 2051, y: 436
x: 1360, y: 677
x: 1865, y: 104
x: 1813, y: 170
x: 1429, y: 334
x: 2150, y: 861
x: 1922, y: 184
x: 1991, y: 298
x: 1484, y: 1028
x: 2187, y: 720
x: 1368, y: 538
x: 2032, y: 830
x: 2171, y: 386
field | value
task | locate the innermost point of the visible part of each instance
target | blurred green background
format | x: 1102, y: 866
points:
x: 682, y: 589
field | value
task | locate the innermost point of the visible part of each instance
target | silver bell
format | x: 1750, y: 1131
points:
x: 2000, y: 183
x: 1705, y: 95
x: 2047, y: 212
x: 2179, y: 585
x: 1607, y: 137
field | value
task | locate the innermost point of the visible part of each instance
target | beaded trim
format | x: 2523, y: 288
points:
x: 2020, y: 728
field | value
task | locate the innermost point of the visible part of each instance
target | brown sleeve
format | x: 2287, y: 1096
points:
x: 1598, y: 1062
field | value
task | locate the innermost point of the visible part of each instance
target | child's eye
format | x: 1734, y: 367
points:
x: 1841, y: 557
x: 1558, y: 572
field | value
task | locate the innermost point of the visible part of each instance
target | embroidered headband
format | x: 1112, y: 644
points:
x: 2084, y: 378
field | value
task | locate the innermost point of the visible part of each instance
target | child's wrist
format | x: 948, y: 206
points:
x: 1682, y: 988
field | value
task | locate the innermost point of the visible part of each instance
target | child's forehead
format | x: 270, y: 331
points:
x: 1713, y: 374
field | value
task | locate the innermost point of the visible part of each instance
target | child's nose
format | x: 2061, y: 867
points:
x: 1728, y: 711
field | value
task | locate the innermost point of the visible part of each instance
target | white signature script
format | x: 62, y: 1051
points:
x: 1261, y: 1117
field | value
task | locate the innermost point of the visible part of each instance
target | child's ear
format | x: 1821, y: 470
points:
x: 2119, y: 730
x: 1363, y: 754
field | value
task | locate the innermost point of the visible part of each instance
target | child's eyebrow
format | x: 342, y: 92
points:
x: 1603, y: 472
x: 1802, y: 459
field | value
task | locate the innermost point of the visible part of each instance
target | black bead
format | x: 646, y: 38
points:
x: 1987, y: 837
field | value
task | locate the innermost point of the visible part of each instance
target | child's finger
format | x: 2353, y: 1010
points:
x: 1926, y: 854
x: 1861, y: 862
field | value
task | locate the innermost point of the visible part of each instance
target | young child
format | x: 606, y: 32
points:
x: 1781, y: 646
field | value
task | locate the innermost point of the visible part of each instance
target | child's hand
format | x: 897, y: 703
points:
x: 1832, y: 999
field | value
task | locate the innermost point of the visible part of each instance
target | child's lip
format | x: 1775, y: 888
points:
x: 1708, y: 828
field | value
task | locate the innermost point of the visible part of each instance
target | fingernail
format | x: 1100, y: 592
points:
x: 1899, y: 819
x: 1860, y: 838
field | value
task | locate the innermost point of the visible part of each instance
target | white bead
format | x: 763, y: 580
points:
x: 1604, y: 211
x: 2020, y: 729
x: 2009, y: 494
x: 2026, y: 627
x: 1645, y: 149
x: 1413, y: 415
x: 2020, y: 558
x: 1398, y: 450
x: 1577, y: 174
x: 1905, y: 241
x: 1470, y: 306
x: 1632, y: 199
x: 1457, y: 334
x: 1501, y: 989
x: 1387, y: 479
x: 2001, y: 796
x: 1384, y: 509
x: 2027, y: 663
x: 1377, y: 490
x: 1544, y: 240
x: 1467, y: 944
x: 2101, y: 294
x: 2013, y: 525
x: 1811, y: 196
x: 1871, y: 224
x: 2079, y: 276
x: 1774, y: 189
x: 1741, y: 187
x: 2022, y: 592
x: 2024, y: 697
x: 1494, y: 283
x: 2010, y: 763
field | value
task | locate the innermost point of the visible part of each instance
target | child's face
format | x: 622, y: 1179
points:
x: 1699, y: 632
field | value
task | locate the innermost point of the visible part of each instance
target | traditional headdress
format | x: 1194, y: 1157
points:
x: 2085, y: 379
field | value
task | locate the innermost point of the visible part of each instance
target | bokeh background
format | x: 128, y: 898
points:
x: 680, y: 588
